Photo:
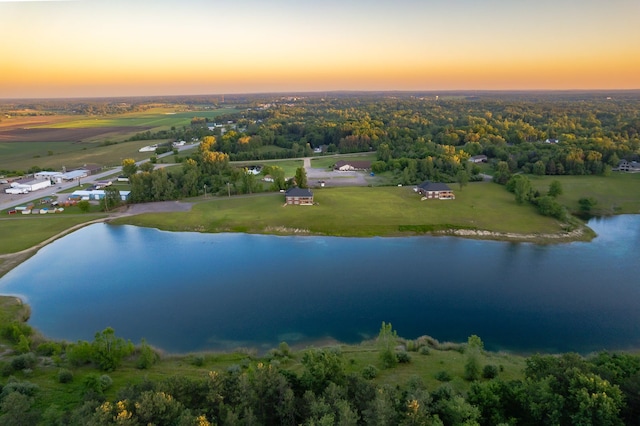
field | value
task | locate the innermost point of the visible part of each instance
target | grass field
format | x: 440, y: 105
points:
x: 154, y: 118
x: 24, y: 232
x: 78, y: 149
x: 23, y: 155
x: 615, y: 194
x: 327, y: 162
x: 289, y: 166
x: 357, y: 211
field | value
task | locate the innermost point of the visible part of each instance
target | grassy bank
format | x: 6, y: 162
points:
x: 23, y: 233
x: 357, y: 212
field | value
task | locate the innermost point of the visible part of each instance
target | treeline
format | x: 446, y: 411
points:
x: 206, y: 171
x: 550, y: 134
x: 316, y: 386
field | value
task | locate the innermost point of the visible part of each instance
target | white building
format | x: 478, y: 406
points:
x: 97, y: 194
x: 75, y: 174
x: 54, y: 176
x: 23, y: 187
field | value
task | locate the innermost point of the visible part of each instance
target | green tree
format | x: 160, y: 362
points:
x: 523, y: 189
x: 586, y: 204
x: 147, y: 167
x: 597, y: 402
x: 502, y: 173
x: 555, y: 189
x: 463, y: 178
x: 301, y: 177
x: 109, y: 350
x: 539, y: 168
x: 387, y: 341
x: 111, y: 198
x: 472, y: 370
x: 84, y: 206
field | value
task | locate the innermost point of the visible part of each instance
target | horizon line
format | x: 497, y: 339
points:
x: 319, y: 92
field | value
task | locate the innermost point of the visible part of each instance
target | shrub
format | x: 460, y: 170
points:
x: 105, y: 382
x: 443, y: 376
x: 79, y: 353
x: 370, y: 372
x: 197, y: 360
x: 14, y: 330
x: 403, y: 357
x: 65, y: 376
x: 48, y: 349
x: 5, y: 369
x: 490, y: 371
x: 25, y: 388
x: 21, y: 362
x: 424, y: 350
x: 147, y: 357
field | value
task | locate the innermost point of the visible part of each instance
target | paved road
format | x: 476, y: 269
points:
x: 8, y: 201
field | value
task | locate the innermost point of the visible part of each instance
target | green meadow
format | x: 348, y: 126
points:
x: 155, y: 118
x: 618, y: 193
x: 55, y: 155
x: 327, y: 162
x: 358, y: 212
x: 21, y: 233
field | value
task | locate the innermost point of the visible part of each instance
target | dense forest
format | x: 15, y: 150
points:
x: 59, y: 383
x: 420, y: 137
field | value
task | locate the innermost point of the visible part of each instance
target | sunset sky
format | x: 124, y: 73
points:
x: 170, y: 47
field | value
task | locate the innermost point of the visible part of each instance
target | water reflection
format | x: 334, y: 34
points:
x: 187, y: 291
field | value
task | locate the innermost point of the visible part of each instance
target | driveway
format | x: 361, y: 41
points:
x: 333, y: 178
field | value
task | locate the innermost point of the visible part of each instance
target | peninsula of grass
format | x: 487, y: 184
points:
x: 359, y: 212
x: 22, y: 233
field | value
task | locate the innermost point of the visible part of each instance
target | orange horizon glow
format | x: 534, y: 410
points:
x: 99, y: 48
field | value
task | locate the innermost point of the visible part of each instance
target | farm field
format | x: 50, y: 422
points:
x: 23, y: 155
x: 71, y: 141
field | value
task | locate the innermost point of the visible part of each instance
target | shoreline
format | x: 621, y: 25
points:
x: 9, y: 261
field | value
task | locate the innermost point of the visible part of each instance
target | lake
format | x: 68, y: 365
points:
x: 187, y: 292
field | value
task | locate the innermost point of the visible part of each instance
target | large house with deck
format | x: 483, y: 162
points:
x: 299, y: 196
x: 435, y: 190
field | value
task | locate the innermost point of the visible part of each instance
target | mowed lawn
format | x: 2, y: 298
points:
x: 615, y: 194
x: 357, y: 211
x: 21, y: 233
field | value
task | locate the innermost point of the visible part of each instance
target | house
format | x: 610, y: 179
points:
x: 478, y: 159
x: 343, y: 166
x: 628, y: 166
x: 435, y: 190
x: 300, y: 196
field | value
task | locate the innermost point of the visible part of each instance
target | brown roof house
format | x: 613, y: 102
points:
x: 435, y: 190
x: 299, y: 196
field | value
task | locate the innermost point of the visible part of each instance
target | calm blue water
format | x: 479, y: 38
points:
x: 186, y: 292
